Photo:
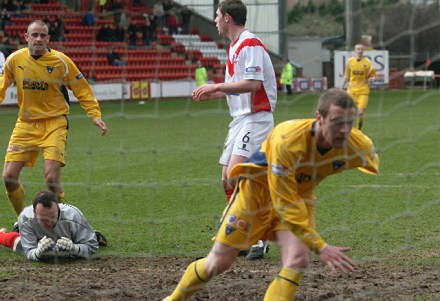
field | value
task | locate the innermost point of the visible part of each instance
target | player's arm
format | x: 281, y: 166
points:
x: 85, y: 238
x: 370, y: 158
x: 206, y: 92
x: 346, y: 76
x: 83, y: 92
x: 6, y: 79
x: 344, y: 82
x: 210, y: 91
x: 372, y: 74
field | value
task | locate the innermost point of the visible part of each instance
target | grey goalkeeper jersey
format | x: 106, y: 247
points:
x: 71, y: 224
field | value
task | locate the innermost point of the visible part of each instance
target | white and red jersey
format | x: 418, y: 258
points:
x: 249, y: 59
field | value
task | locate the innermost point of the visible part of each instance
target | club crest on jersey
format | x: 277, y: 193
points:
x: 280, y: 170
x: 49, y: 69
x: 231, y: 219
x: 232, y: 223
x: 253, y: 69
x: 243, y: 225
x: 13, y: 148
x: 229, y: 229
x: 79, y: 76
x: 337, y: 164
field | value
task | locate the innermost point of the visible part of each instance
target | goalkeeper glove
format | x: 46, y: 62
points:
x: 45, y: 247
x: 66, y: 247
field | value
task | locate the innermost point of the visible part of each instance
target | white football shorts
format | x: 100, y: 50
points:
x: 246, y: 135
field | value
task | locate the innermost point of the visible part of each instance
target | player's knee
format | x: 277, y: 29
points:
x: 298, y: 261
x: 9, y: 177
x: 216, y: 265
x: 53, y: 184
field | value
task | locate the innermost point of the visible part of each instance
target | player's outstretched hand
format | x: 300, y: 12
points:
x: 65, y: 247
x: 101, y: 124
x: 338, y: 262
x: 207, y: 91
x: 45, y: 246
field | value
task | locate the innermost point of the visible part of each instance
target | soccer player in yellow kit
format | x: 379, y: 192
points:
x: 275, y: 196
x: 360, y: 72
x: 42, y: 76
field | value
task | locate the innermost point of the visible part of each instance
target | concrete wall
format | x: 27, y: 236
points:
x: 307, y: 52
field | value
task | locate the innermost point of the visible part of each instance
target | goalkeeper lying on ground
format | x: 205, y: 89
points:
x: 48, y: 229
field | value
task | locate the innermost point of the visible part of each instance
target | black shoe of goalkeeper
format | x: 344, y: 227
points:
x: 102, y: 241
x: 15, y: 228
x: 257, y: 251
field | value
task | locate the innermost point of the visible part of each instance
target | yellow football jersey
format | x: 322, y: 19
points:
x: 359, y: 72
x: 290, y: 166
x: 41, y: 85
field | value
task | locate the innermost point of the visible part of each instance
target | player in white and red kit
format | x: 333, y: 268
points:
x: 251, y: 92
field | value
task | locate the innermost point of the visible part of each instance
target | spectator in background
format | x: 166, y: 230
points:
x: 57, y: 30
x: 200, y: 74
x: 168, y: 6
x: 114, y: 58
x: 147, y: 31
x: 185, y: 14
x: 4, y: 4
x: 218, y: 77
x: 14, y: 8
x: 102, y: 5
x: 3, y: 41
x: 10, y: 45
x: 89, y: 19
x: 116, y: 8
x: 24, y: 6
x: 105, y: 33
x: 119, y: 33
x: 47, y: 21
x: 172, y: 22
x: 158, y: 14
x: 5, y: 19
x: 287, y: 76
x: 2, y: 59
x: 132, y: 33
x: 4, y: 44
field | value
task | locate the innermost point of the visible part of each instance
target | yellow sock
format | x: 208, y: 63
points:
x: 192, y: 281
x: 16, y: 198
x: 284, y: 286
x: 61, y: 197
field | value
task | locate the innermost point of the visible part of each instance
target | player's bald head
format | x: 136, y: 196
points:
x: 37, y: 23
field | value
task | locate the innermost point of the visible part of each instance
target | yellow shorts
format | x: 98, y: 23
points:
x: 361, y: 100
x: 29, y: 137
x: 249, y: 216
